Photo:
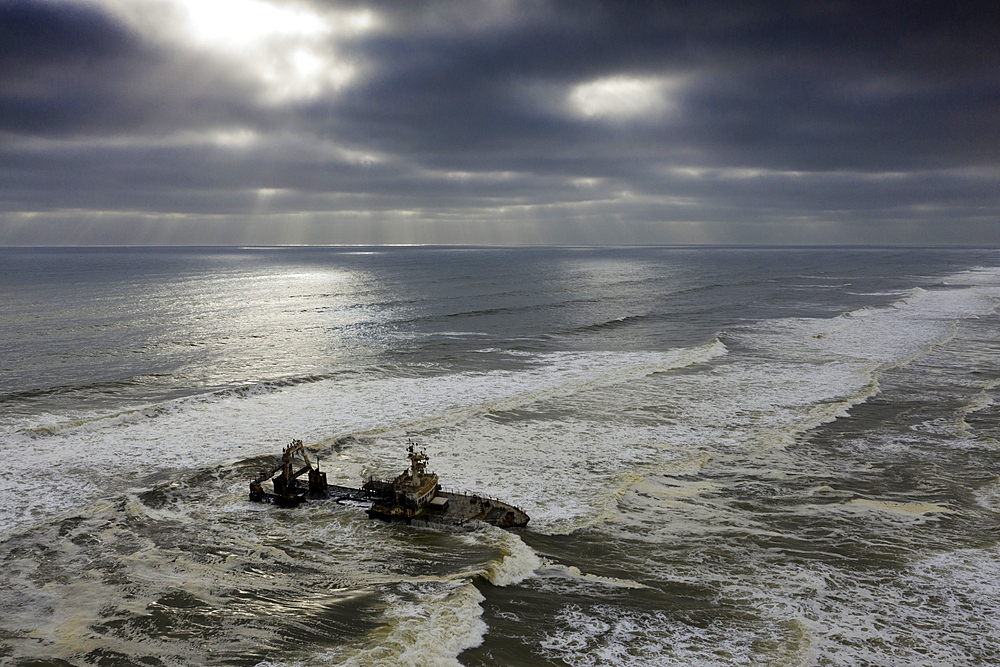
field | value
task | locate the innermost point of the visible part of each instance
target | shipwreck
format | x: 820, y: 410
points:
x: 414, y: 497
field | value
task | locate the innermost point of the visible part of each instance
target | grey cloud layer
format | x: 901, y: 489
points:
x: 781, y: 122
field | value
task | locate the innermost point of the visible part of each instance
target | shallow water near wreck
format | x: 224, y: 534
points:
x: 730, y: 456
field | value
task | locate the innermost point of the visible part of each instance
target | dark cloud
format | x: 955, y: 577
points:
x: 759, y: 122
x: 72, y: 70
x: 859, y: 85
x: 48, y: 56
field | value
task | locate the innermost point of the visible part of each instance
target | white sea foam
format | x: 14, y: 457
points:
x: 983, y: 276
x: 796, y: 375
x: 888, y: 335
x: 666, y: 424
x: 103, y: 566
x: 802, y: 373
x: 941, y: 610
x: 611, y: 636
x: 73, y: 459
x: 989, y: 495
x: 575, y: 574
x: 517, y: 561
x: 428, y: 627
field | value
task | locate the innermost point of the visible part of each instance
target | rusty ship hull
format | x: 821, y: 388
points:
x: 458, y: 509
x: 414, y: 497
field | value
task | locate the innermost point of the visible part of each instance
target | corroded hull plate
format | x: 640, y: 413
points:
x: 414, y: 497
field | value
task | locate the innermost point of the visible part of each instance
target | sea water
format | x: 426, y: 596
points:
x: 730, y: 456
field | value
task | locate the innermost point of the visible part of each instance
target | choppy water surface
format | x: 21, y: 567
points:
x: 730, y: 456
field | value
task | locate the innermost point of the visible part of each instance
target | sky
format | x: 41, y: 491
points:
x: 499, y: 122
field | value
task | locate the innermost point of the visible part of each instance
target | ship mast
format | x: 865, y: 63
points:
x: 418, y: 461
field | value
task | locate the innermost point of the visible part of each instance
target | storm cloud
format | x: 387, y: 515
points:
x: 260, y: 122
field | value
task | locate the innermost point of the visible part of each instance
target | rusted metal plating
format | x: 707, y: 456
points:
x: 415, y: 496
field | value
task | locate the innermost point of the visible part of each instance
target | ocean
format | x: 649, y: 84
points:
x: 730, y: 456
